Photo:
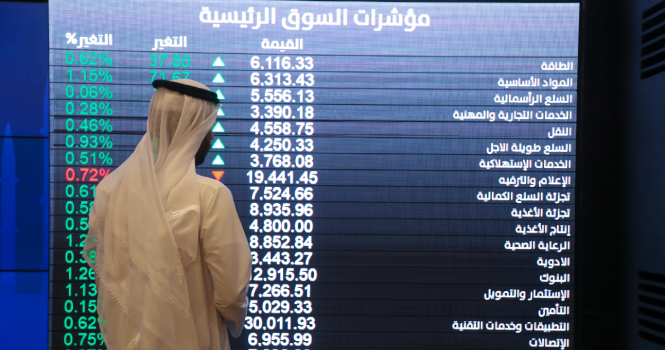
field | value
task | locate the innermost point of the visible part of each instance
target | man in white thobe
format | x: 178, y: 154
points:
x: 170, y: 255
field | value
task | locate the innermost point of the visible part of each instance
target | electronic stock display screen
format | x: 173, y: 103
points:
x: 405, y: 172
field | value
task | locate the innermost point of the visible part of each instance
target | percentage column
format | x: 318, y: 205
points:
x: 88, y: 158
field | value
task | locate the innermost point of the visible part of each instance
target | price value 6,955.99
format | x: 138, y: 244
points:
x: 283, y: 339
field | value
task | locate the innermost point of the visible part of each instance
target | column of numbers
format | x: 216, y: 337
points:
x: 87, y: 160
x: 281, y: 182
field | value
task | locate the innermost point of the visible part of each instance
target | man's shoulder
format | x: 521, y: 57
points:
x: 209, y: 183
x: 212, y: 190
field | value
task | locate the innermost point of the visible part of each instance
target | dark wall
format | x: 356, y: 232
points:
x: 601, y: 242
x: 645, y: 130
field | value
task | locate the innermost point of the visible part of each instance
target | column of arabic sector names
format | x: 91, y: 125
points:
x: 540, y: 196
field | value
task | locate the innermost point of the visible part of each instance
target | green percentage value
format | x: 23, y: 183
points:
x: 88, y: 91
x: 89, y: 339
x: 93, y: 125
x: 88, y: 108
x: 92, y: 158
x: 88, y: 141
x: 92, y: 75
x: 88, y: 58
x: 83, y: 191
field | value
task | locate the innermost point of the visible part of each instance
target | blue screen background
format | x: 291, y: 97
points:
x: 23, y: 175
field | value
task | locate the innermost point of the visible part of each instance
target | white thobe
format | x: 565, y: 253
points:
x: 218, y: 279
x: 224, y: 259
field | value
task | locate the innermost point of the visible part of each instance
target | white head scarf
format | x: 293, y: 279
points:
x: 144, y: 229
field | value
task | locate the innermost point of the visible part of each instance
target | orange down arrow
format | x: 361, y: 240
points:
x: 217, y: 174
